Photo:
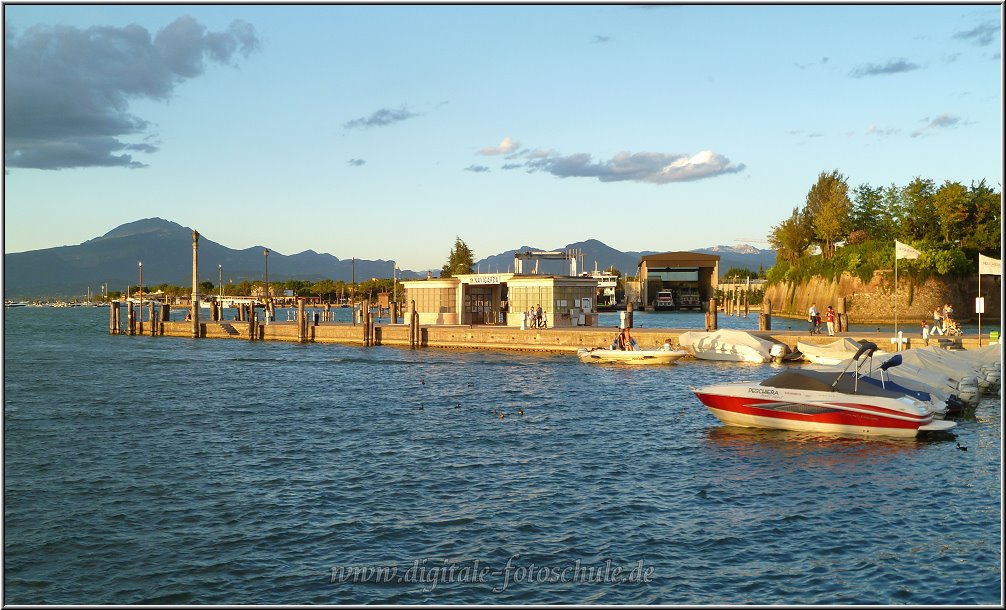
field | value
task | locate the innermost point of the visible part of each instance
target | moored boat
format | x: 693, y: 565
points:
x: 821, y: 402
x: 664, y: 301
x: 601, y: 355
x: 835, y: 352
x: 731, y: 345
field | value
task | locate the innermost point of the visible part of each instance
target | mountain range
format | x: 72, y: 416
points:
x: 165, y: 248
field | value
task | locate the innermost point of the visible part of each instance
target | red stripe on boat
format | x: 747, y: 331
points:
x: 749, y: 406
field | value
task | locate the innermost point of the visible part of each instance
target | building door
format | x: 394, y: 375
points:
x: 481, y: 306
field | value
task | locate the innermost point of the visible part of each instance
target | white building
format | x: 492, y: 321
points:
x: 503, y: 298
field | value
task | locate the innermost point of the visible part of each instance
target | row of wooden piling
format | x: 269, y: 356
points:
x: 134, y: 320
x: 764, y: 316
x: 735, y: 302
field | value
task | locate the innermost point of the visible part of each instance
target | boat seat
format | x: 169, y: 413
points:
x: 820, y: 381
x: 799, y: 380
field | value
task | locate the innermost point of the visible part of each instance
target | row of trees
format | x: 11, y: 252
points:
x: 329, y: 290
x: 952, y: 215
x: 949, y: 224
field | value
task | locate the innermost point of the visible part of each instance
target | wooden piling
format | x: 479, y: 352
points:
x: 412, y: 324
x: 628, y: 315
x: 711, y: 316
x: 131, y: 319
x: 195, y: 284
x: 153, y: 319
x: 113, y: 318
x: 841, y: 320
x: 765, y: 317
x: 747, y: 302
x: 301, y: 321
x: 365, y: 320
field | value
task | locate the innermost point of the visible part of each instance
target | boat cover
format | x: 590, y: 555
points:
x: 726, y: 341
x: 837, y: 351
x: 929, y: 360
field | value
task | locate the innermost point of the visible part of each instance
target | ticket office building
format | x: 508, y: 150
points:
x: 502, y: 299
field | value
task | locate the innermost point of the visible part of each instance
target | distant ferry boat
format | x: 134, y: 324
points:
x: 15, y: 303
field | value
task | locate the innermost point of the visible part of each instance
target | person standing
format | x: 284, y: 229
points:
x: 812, y: 313
x: 829, y: 318
x: 938, y: 321
x: 925, y: 332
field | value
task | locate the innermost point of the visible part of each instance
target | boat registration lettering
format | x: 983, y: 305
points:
x: 767, y: 391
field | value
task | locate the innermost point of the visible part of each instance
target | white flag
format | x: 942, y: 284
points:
x: 989, y: 266
x: 905, y: 251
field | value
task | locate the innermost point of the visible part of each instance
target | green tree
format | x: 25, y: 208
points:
x: 894, y: 212
x: 737, y: 274
x: 326, y: 289
x: 984, y: 220
x: 206, y: 287
x: 951, y: 204
x: 792, y: 237
x: 828, y: 206
x: 459, y: 261
x: 920, y: 221
x: 868, y: 213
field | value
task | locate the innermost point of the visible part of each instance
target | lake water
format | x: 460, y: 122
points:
x: 178, y: 471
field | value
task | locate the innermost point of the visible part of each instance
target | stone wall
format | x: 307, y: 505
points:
x: 874, y: 302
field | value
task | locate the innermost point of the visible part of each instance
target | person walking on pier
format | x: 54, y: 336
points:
x: 829, y: 318
x: 813, y: 317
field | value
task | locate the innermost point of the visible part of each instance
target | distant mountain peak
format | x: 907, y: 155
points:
x: 147, y: 225
x: 741, y: 249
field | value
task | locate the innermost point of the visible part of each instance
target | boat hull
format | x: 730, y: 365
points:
x: 753, y: 406
x: 634, y: 357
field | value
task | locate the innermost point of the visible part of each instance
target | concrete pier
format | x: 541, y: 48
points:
x: 504, y: 338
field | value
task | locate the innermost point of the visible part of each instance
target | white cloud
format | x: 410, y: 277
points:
x: 505, y: 147
x: 652, y: 167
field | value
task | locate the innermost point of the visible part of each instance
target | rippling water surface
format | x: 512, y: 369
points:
x: 165, y: 470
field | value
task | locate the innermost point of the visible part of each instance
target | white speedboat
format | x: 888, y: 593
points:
x: 638, y: 356
x: 821, y: 402
x: 731, y: 345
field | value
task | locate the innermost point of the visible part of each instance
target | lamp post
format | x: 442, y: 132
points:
x: 141, y: 298
x: 220, y: 282
x: 394, y: 284
x: 265, y: 300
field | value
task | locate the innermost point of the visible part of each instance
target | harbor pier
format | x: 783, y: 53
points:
x: 307, y: 329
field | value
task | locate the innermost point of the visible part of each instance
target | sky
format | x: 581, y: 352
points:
x: 385, y: 132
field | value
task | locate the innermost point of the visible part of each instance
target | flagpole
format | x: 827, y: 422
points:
x: 979, y: 296
x: 896, y: 294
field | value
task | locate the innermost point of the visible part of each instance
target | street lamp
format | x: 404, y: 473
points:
x: 220, y: 282
x: 141, y: 297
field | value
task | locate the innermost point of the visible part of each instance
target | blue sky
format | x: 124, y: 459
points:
x: 383, y: 132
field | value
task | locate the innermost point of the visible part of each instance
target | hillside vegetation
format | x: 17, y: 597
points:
x: 949, y: 225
